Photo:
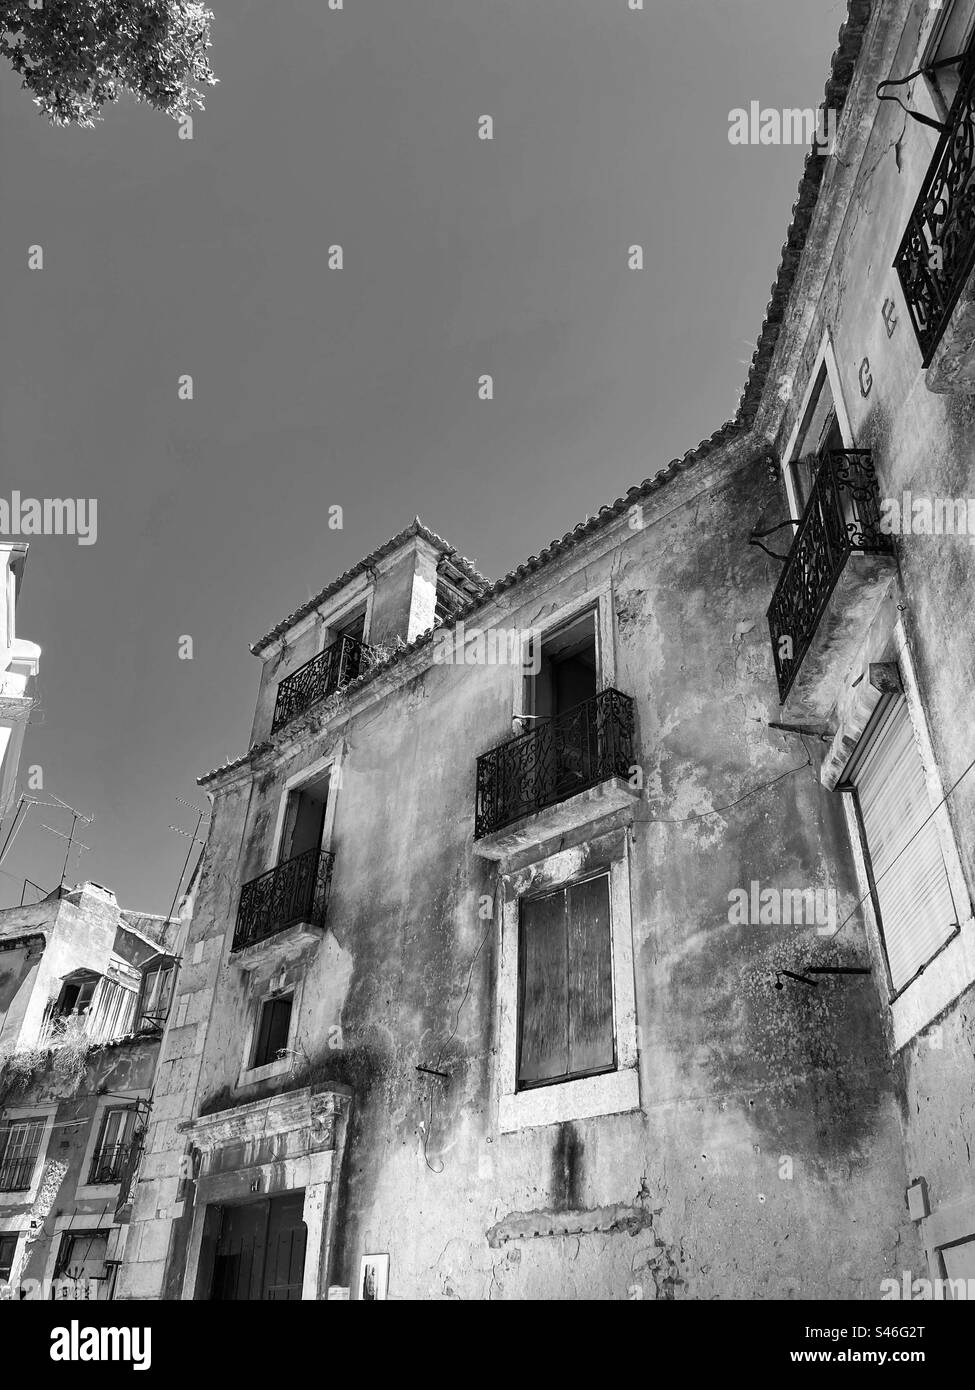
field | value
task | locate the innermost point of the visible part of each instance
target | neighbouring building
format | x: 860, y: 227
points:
x: 605, y: 930
x: 84, y: 990
x: 19, y: 662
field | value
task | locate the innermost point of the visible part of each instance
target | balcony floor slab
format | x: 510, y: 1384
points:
x: 585, y: 808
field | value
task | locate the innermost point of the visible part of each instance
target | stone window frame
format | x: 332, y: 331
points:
x: 825, y: 360
x: 609, y: 1093
x: 331, y: 618
x: 46, y: 1113
x: 331, y: 763
x: 248, y: 1075
x: 951, y: 970
x: 598, y: 601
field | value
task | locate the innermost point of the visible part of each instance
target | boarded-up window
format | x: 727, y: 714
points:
x: 917, y: 915
x: 566, y: 984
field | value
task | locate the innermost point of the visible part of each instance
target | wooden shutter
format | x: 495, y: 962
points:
x: 566, y: 984
x: 917, y: 914
x: 544, y: 976
x: 591, y: 1044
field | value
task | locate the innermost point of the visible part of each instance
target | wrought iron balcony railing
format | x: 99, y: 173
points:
x: 572, y: 752
x: 327, y: 672
x: 295, y: 891
x: 842, y: 517
x: 110, y: 1162
x: 16, y: 1174
x: 937, y: 251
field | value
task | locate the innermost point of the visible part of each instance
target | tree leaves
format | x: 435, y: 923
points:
x: 77, y: 56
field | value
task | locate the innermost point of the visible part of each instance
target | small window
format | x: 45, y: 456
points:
x: 156, y: 994
x: 8, y: 1249
x: 114, y: 1143
x: 273, y: 1027
x: 19, y: 1147
x: 566, y: 985
x: 906, y: 868
x: 76, y: 996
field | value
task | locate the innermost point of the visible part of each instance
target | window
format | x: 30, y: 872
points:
x: 354, y: 625
x: 905, y: 865
x: 20, y: 1147
x: 304, y: 820
x: 272, y: 1030
x: 8, y: 1249
x: 565, y: 985
x: 949, y: 38
x: 567, y: 669
x: 76, y: 996
x: 114, y: 1142
x: 81, y: 1270
x: 156, y: 993
x: 819, y: 433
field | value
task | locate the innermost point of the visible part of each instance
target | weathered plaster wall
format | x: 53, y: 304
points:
x: 766, y: 1159
x: 922, y: 441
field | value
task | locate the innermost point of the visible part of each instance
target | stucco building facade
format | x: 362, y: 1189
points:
x: 606, y: 930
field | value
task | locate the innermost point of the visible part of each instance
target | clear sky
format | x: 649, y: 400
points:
x: 315, y: 388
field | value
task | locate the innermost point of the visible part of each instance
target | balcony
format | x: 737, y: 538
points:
x: 326, y: 673
x: 111, y: 1162
x: 292, y: 895
x: 832, y: 581
x: 937, y: 252
x: 564, y: 773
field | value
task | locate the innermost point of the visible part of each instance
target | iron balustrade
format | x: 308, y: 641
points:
x: 16, y: 1174
x: 295, y: 891
x: 110, y: 1162
x: 937, y: 250
x: 566, y: 754
x: 326, y: 673
x: 842, y: 517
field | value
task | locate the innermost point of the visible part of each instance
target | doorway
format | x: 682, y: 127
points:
x: 260, y: 1251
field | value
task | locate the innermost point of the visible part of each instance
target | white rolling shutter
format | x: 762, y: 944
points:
x: 917, y: 915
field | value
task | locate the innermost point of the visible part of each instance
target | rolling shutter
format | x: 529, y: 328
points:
x: 917, y: 915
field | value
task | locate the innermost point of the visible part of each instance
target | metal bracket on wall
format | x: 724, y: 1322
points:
x: 755, y: 537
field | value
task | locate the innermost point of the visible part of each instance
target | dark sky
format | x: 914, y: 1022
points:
x: 313, y: 387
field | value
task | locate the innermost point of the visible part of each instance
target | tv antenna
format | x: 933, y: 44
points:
x: 193, y: 837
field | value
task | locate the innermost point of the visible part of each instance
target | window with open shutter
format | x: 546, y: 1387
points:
x: 910, y: 882
x: 566, y: 985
